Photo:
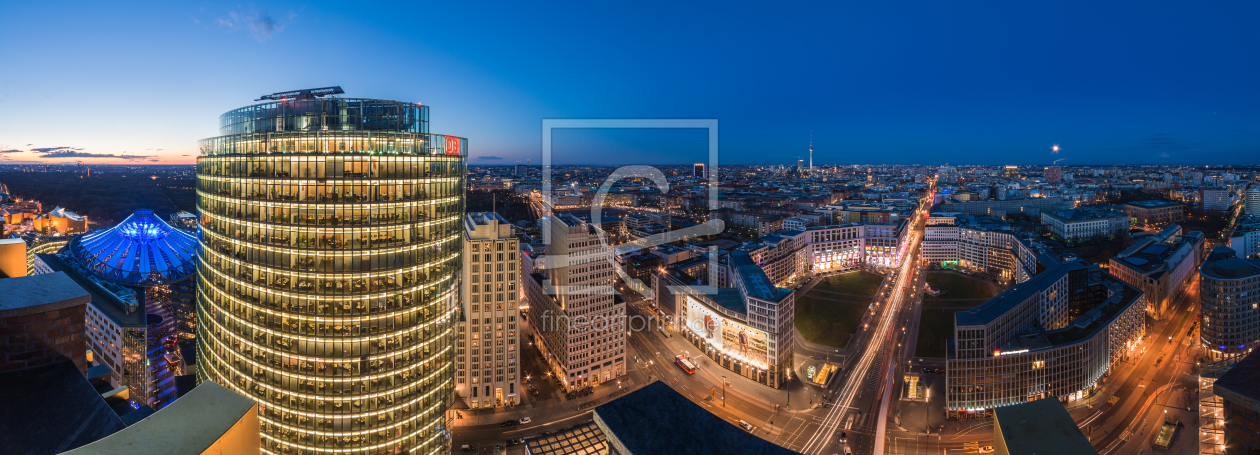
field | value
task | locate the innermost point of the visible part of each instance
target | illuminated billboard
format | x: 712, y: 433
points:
x: 729, y: 336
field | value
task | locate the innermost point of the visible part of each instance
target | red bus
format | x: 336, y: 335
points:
x: 685, y: 364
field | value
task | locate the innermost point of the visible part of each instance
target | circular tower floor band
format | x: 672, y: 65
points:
x: 330, y: 255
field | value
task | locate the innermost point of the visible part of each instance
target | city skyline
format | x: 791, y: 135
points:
x: 909, y: 86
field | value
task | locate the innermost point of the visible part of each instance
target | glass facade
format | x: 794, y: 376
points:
x: 330, y: 267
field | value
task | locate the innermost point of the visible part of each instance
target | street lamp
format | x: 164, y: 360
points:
x: 724, y: 391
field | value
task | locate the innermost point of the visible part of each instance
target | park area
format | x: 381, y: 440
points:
x: 936, y: 322
x: 830, y: 312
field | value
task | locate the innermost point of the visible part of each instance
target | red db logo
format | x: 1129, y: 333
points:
x: 451, y: 145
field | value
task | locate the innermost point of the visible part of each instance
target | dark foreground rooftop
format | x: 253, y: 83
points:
x: 1242, y: 383
x: 52, y: 409
x: 1041, y: 426
x: 657, y: 420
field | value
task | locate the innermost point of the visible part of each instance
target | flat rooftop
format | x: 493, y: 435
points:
x: 1155, y: 203
x: 1039, y: 427
x: 583, y: 439
x: 1000, y: 304
x: 657, y: 420
x: 1242, y: 380
x: 101, y: 298
x: 1224, y: 264
x: 40, y: 293
x: 755, y: 280
x: 1085, y: 214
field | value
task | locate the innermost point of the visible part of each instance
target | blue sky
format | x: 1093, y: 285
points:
x: 880, y: 82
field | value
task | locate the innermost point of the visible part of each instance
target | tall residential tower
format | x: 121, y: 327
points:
x: 330, y: 256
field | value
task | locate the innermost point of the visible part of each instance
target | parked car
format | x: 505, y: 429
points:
x: 939, y: 371
x: 507, y: 423
x: 986, y: 449
x: 465, y: 448
x: 927, y: 371
x: 515, y: 442
x: 745, y: 425
x: 525, y: 420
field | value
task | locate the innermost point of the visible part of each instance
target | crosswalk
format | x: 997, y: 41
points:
x: 873, y: 375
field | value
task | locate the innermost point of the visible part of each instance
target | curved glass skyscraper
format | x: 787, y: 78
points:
x: 330, y: 249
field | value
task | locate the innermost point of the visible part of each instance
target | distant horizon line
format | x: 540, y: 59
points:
x: 1257, y: 165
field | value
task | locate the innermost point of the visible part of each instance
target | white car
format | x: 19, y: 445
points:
x: 525, y: 420
x: 745, y: 425
x: 985, y: 449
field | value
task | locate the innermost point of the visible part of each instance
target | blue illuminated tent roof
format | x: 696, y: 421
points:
x: 141, y: 251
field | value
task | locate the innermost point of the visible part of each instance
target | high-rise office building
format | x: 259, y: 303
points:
x: 521, y: 169
x: 699, y: 171
x: 578, y: 319
x: 487, y: 354
x: 1010, y: 171
x: 330, y: 240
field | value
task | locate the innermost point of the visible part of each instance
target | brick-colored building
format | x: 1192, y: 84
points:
x: 41, y: 321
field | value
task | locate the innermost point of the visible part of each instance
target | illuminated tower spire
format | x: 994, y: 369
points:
x: 811, y: 151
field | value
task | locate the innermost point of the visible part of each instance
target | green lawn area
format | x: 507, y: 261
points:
x: 830, y: 319
x: 934, y: 327
x: 956, y: 286
x: 936, y: 324
x: 863, y: 283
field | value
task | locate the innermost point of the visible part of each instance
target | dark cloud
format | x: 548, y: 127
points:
x: 11, y: 151
x: 260, y: 26
x: 488, y: 158
x: 54, y: 149
x: 185, y: 155
x: 74, y: 153
x: 153, y: 161
x: 1160, y: 144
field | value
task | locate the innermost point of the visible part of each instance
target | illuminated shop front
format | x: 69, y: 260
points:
x: 330, y: 240
x: 837, y: 259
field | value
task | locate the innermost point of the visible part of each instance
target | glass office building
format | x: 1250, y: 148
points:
x: 329, y: 272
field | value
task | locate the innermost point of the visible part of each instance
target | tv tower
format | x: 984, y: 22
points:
x: 811, y: 151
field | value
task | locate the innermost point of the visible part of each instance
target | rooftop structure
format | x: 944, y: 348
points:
x: 1239, y: 388
x: 1042, y: 426
x: 656, y: 420
x: 210, y: 420
x: 1160, y: 266
x: 51, y: 409
x: 1066, y: 327
x: 583, y: 439
x: 140, y: 251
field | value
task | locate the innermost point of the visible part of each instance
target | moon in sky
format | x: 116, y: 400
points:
x: 1055, y: 148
